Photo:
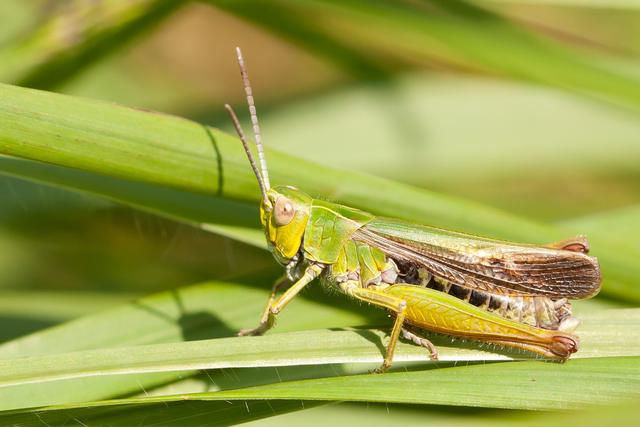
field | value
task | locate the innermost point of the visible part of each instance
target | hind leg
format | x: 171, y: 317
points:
x: 397, y: 305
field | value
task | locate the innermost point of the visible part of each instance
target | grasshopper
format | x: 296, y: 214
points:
x: 504, y: 293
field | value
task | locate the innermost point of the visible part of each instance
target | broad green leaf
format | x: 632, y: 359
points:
x: 171, y: 152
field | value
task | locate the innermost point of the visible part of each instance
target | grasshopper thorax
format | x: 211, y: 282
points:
x: 284, y: 214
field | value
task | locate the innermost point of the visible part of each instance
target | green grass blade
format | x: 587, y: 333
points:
x: 167, y: 151
x: 381, y: 415
x: 607, y: 334
x: 221, y: 413
x: 198, y: 312
x: 233, y: 218
x: 208, y: 310
x: 179, y: 414
x: 524, y: 385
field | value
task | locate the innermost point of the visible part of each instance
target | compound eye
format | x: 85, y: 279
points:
x: 283, y: 211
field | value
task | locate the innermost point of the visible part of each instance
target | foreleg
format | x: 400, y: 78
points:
x: 267, y: 320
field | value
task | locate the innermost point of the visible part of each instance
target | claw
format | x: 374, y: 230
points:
x: 253, y: 332
x: 382, y: 369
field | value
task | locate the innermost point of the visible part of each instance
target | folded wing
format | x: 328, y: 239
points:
x: 502, y: 268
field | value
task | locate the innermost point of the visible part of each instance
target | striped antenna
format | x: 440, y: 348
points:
x: 245, y: 144
x: 254, y: 119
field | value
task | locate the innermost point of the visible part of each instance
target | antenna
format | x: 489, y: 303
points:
x: 245, y: 144
x: 254, y: 119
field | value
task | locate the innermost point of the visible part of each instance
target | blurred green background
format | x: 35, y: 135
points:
x: 529, y: 106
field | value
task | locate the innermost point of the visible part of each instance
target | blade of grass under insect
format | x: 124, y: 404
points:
x: 207, y: 310
x: 524, y: 385
x: 75, y: 36
x: 214, y: 413
x: 167, y: 151
x: 606, y: 334
x: 375, y: 415
x: 197, y: 312
x: 184, y: 414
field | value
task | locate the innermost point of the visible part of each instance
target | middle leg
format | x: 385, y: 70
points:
x: 395, y: 304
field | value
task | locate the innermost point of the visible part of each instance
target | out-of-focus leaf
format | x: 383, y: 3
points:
x: 76, y: 35
x: 58, y: 306
x: 450, y: 132
x: 630, y: 5
x: 620, y: 227
x: 453, y: 31
x: 23, y: 312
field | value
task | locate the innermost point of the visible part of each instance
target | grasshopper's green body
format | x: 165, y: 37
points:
x: 500, y: 292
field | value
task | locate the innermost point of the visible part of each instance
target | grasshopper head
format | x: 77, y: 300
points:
x: 284, y: 214
x: 284, y: 211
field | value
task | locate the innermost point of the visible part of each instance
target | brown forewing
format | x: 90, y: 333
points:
x: 528, y: 271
